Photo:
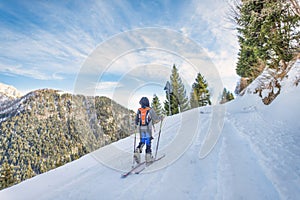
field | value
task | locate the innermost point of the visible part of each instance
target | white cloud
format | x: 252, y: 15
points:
x: 135, y: 67
x: 42, y: 51
x: 210, y: 27
x: 66, y: 37
x: 129, y: 97
x: 62, y: 38
x: 225, y: 62
x: 32, y: 73
x: 107, y: 86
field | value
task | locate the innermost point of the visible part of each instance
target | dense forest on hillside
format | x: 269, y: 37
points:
x: 46, y: 129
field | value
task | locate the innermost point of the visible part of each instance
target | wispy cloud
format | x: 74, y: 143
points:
x: 32, y: 73
x: 209, y: 26
x: 107, y: 86
x: 52, y: 37
x: 49, y: 40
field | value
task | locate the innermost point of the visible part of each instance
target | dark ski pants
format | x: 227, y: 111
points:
x: 145, y: 138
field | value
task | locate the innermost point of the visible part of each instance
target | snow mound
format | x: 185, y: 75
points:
x: 270, y: 83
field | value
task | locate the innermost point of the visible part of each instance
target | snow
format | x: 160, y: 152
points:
x: 293, y: 76
x: 9, y: 91
x: 256, y: 155
x: 267, y: 79
x: 11, y: 107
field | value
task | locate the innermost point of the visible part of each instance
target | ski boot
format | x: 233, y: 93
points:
x: 137, y: 155
x: 149, y: 158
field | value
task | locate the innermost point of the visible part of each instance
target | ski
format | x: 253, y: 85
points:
x: 148, y: 164
x: 140, y: 167
x: 133, y: 169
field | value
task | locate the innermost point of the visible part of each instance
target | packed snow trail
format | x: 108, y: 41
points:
x: 256, y: 157
x: 275, y: 140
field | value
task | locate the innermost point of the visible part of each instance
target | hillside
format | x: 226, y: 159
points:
x: 46, y: 129
x: 257, y: 156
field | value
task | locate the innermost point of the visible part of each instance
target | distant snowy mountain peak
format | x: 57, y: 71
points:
x: 9, y: 91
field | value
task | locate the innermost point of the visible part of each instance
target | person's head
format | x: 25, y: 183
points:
x: 144, y: 102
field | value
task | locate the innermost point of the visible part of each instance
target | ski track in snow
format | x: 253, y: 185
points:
x: 239, y: 169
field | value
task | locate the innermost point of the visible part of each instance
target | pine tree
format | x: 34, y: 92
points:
x: 251, y: 48
x: 174, y: 104
x: 281, y: 26
x: 229, y: 96
x: 178, y: 99
x: 194, y: 99
x: 268, y: 34
x: 156, y: 105
x: 226, y: 96
x: 200, y: 94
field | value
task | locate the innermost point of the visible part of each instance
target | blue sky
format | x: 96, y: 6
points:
x: 45, y: 44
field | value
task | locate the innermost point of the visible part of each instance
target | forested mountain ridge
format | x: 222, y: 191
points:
x: 46, y: 128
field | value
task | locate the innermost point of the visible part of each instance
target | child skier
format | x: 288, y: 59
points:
x: 145, y: 118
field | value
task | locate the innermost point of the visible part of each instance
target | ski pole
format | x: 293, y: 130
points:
x: 158, y: 137
x: 134, y: 144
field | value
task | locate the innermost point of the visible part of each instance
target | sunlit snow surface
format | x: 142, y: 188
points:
x: 256, y: 157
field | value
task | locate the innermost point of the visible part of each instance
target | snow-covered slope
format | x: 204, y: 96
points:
x: 257, y: 156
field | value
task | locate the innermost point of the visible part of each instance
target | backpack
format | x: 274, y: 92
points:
x: 144, y: 116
